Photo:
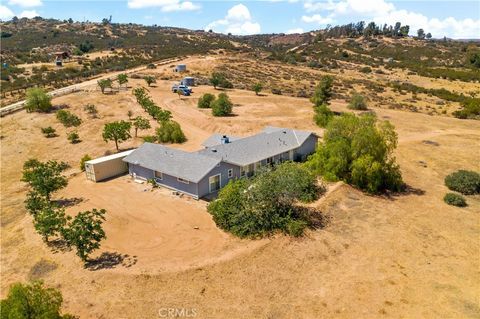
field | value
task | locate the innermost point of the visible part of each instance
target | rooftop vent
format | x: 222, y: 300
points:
x: 225, y: 139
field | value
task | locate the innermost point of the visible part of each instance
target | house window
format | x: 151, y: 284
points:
x: 269, y: 160
x: 230, y: 173
x: 158, y: 175
x: 243, y: 171
x: 181, y: 180
x: 214, y: 183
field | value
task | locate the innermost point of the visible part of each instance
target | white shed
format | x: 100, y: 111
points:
x: 107, y: 166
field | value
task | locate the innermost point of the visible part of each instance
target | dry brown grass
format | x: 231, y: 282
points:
x: 402, y: 256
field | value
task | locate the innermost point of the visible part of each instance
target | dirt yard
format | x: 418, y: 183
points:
x: 406, y: 256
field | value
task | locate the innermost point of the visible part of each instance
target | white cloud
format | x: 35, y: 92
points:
x: 237, y: 21
x: 295, y: 30
x: 25, y: 3
x: 382, y: 11
x: 5, y: 13
x: 316, y: 18
x: 164, y: 5
x: 29, y: 14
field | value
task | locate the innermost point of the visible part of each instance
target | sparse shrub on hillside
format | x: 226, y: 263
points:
x: 73, y: 137
x: 455, y: 200
x: 170, y: 132
x: 49, y: 132
x: 67, y: 118
x: 206, y: 101
x: 366, y: 69
x: 220, y: 80
x: 38, y: 100
x: 267, y: 202
x: 357, y: 102
x: 84, y: 159
x: 470, y: 110
x: 359, y: 150
x: 463, y: 181
x: 276, y: 91
x: 33, y: 300
x: 91, y: 109
x: 222, y: 106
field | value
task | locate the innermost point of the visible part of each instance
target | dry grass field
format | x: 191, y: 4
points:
x: 405, y: 256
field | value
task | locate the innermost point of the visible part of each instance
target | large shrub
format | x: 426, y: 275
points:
x: 465, y: 182
x: 33, y: 300
x: 222, y: 106
x: 170, y: 132
x: 357, y: 102
x: 67, y: 118
x: 38, y: 100
x: 358, y: 150
x: 323, y: 115
x: 455, y: 200
x: 206, y: 100
x: 266, y: 203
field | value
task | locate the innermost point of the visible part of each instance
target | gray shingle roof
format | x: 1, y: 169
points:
x: 248, y: 150
x: 189, y: 166
x: 216, y: 139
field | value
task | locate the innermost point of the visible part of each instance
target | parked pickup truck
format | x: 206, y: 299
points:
x: 181, y: 87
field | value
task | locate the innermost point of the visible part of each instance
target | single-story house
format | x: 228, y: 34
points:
x: 222, y: 159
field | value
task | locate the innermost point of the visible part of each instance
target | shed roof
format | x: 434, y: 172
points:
x: 109, y: 157
x: 249, y: 150
x: 190, y: 166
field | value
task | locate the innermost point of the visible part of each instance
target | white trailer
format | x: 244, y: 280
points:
x: 105, y: 167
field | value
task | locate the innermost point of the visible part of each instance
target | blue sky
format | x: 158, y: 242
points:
x: 456, y: 19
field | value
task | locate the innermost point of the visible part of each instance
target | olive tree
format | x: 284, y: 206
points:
x: 104, y: 83
x: 140, y: 123
x: 44, y: 178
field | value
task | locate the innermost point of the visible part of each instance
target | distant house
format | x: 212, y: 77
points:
x: 224, y: 158
x: 180, y: 68
x: 60, y: 56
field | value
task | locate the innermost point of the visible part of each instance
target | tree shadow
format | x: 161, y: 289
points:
x: 316, y: 219
x: 408, y: 190
x: 68, y: 202
x: 110, y: 260
x: 58, y: 245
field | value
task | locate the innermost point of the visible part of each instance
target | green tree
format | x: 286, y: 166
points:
x: 429, y: 35
x: 104, y: 83
x: 357, y: 102
x: 216, y: 79
x: 38, y: 100
x: 206, y: 101
x: 84, y: 232
x: 35, y: 202
x: 222, y: 106
x: 257, y: 87
x: 267, y: 202
x: 73, y: 137
x: 421, y: 34
x: 140, y: 123
x: 49, y: 132
x: 323, y: 115
x: 32, y: 300
x: 150, y: 80
x: 170, y: 132
x: 122, y: 79
x: 118, y: 132
x: 49, y: 221
x: 323, y: 91
x: 84, y: 159
x: 358, y: 150
x: 44, y: 178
